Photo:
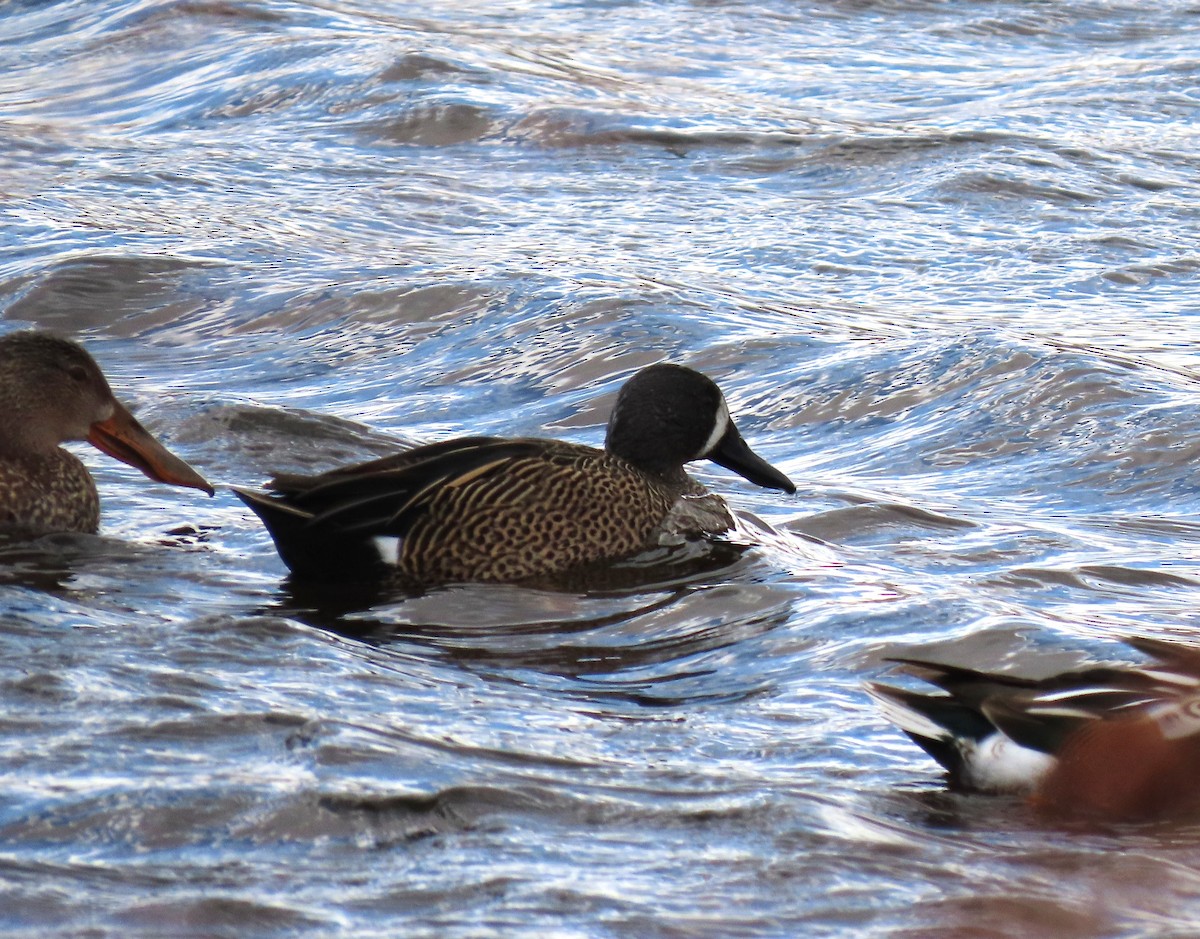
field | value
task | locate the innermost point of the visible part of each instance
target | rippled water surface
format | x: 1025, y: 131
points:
x: 941, y: 257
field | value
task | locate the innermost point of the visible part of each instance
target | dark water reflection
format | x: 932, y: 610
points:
x: 941, y: 258
x: 653, y: 631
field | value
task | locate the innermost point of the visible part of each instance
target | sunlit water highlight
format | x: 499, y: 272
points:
x: 942, y: 259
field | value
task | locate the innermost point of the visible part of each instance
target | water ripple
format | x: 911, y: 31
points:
x: 942, y: 260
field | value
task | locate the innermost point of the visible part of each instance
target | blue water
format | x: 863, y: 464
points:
x: 941, y: 258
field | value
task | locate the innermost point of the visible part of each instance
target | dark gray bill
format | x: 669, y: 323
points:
x: 733, y: 453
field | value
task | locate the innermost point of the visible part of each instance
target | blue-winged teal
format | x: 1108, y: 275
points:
x: 52, y: 391
x: 497, y: 509
x: 1115, y: 742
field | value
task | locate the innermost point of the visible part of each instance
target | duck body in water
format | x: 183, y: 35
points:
x: 509, y: 509
x: 1109, y: 742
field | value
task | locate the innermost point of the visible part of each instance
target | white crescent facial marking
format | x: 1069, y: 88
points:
x: 719, y: 428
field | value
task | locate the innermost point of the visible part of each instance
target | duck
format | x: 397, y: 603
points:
x: 497, y: 509
x: 51, y: 392
x: 1116, y: 743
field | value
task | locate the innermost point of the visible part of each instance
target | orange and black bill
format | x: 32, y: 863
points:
x: 124, y: 439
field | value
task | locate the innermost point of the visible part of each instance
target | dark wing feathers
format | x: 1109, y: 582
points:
x: 1182, y: 655
x: 967, y: 685
x: 330, y: 556
x: 387, y: 501
x: 294, y: 484
x: 1042, y: 713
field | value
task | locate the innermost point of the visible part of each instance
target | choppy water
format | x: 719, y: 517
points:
x: 941, y: 257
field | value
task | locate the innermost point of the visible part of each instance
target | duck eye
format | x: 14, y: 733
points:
x: 78, y: 373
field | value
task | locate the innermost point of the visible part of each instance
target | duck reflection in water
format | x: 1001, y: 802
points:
x: 652, y: 636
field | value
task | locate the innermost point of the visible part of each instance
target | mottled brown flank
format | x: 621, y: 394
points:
x: 48, y: 493
x: 570, y: 506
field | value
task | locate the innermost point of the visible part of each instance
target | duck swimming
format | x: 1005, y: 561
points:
x: 52, y: 391
x: 1113, y: 742
x: 509, y: 509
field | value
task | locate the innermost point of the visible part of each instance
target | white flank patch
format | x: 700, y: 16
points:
x: 719, y: 428
x: 997, y: 764
x: 388, y: 547
x: 1177, y: 719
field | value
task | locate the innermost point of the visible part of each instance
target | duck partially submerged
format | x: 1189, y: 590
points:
x: 500, y: 509
x: 52, y: 391
x: 1114, y: 742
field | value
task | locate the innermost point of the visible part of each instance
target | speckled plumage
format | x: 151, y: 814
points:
x: 497, y: 509
x: 553, y: 507
x: 50, y: 492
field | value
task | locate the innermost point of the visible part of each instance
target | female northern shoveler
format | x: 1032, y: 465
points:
x: 1110, y: 741
x: 496, y: 509
x: 52, y: 391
